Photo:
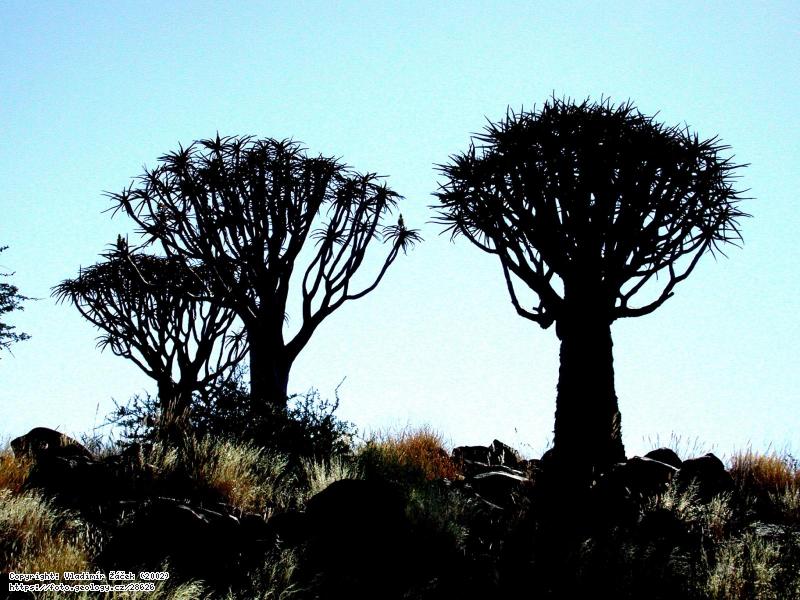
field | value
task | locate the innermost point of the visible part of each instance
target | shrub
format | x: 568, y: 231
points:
x: 308, y: 428
x: 409, y: 456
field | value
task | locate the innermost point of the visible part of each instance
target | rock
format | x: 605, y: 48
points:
x: 707, y: 473
x: 499, y: 487
x: 367, y: 512
x: 42, y: 442
x: 502, y: 455
x: 618, y: 495
x: 197, y: 542
x: 475, y: 454
x: 475, y: 460
x: 358, y: 539
x: 643, y: 476
x: 289, y: 527
x: 665, y: 455
x: 75, y: 481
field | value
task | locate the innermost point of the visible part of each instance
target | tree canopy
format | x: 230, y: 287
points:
x: 600, y: 211
x: 251, y: 212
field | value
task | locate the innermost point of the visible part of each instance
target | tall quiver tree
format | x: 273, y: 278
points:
x: 245, y: 208
x: 152, y: 311
x: 601, y: 212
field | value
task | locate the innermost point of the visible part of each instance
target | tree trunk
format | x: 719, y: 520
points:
x: 269, y: 374
x: 587, y: 437
x: 174, y: 405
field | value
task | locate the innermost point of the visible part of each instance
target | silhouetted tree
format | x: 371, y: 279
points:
x: 244, y: 208
x: 152, y: 312
x: 10, y: 299
x: 590, y: 205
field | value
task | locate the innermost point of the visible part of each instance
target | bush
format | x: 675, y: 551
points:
x: 411, y: 456
x: 307, y: 429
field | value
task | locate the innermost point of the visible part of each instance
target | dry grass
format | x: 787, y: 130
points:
x: 749, y: 568
x: 416, y: 450
x: 765, y: 473
x: 710, y: 519
x: 239, y: 474
x: 35, y: 536
x: 684, y: 447
x: 245, y: 476
x: 13, y: 471
x: 771, y: 481
x: 320, y: 474
x: 165, y: 590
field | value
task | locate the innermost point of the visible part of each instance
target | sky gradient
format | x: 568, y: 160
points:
x: 92, y: 91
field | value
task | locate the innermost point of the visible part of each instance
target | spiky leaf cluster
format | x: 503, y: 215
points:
x: 600, y: 197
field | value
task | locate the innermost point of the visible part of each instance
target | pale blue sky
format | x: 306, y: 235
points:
x: 91, y: 91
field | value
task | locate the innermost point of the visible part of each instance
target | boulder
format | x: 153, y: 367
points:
x: 476, y: 460
x: 503, y: 455
x: 475, y: 454
x: 75, y: 481
x: 359, y: 539
x: 498, y: 487
x: 707, y: 473
x: 42, y: 442
x: 196, y: 541
x: 665, y: 455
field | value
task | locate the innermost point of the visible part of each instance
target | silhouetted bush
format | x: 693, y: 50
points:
x: 307, y: 429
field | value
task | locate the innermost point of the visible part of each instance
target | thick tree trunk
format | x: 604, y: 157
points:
x: 269, y: 374
x: 588, y: 437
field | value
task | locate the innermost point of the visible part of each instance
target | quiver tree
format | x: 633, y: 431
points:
x: 601, y: 212
x: 245, y: 209
x: 152, y: 311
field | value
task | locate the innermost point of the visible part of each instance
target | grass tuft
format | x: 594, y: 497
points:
x: 36, y: 536
x: 409, y: 455
x: 13, y: 470
x: 771, y: 482
x: 320, y: 473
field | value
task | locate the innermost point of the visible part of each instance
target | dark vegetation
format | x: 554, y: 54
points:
x: 10, y: 300
x: 593, y: 208
x: 242, y: 490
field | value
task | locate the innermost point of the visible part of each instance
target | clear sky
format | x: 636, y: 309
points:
x: 91, y: 91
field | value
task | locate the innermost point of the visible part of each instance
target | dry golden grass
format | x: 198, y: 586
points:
x: 320, y: 474
x: 165, y: 590
x: 240, y: 474
x: 765, y: 473
x: 13, y: 471
x: 35, y: 536
x: 419, y: 449
x: 746, y: 568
